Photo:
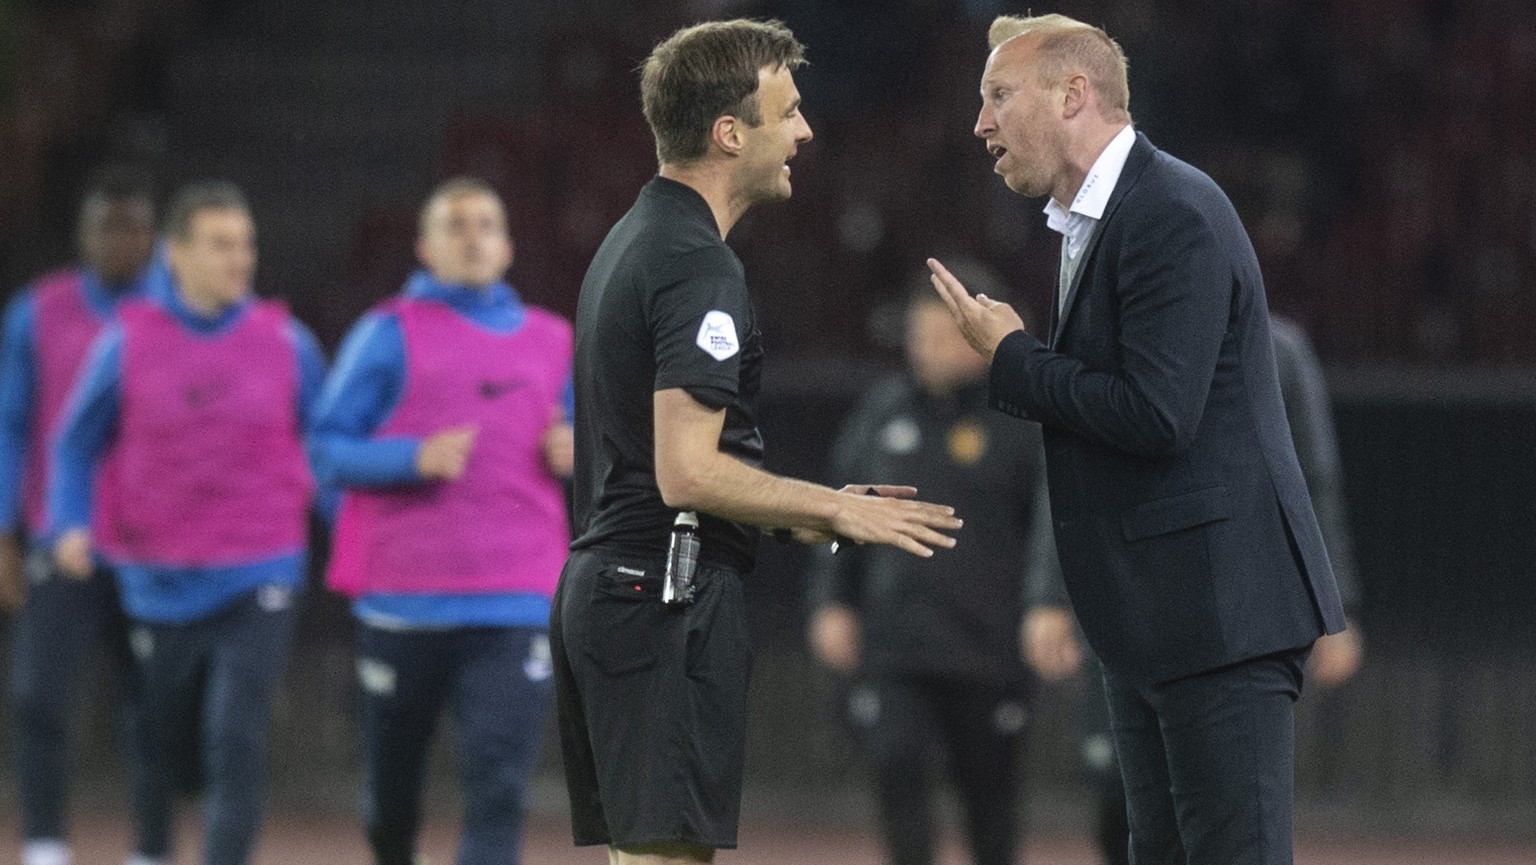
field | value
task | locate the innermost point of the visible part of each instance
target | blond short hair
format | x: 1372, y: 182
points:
x: 1069, y: 46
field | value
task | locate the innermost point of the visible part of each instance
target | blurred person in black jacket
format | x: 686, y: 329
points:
x: 933, y: 647
x: 1055, y: 650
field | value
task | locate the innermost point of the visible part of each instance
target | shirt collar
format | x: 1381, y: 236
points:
x: 684, y: 195
x: 103, y: 296
x: 423, y: 286
x: 200, y: 322
x: 1093, y: 197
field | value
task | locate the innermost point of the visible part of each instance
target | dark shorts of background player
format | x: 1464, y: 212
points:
x: 652, y: 702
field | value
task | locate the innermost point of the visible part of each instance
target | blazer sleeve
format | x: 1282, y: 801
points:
x: 1174, y: 290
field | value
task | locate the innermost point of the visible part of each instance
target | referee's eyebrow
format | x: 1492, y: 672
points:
x: 793, y: 107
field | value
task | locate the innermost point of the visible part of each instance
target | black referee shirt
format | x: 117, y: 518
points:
x: 664, y: 305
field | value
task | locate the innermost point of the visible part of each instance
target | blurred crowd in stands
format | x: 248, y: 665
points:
x: 1379, y: 151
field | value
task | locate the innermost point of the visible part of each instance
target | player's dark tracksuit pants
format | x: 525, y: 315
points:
x: 497, y: 682
x: 207, y: 689
x: 977, y: 727
x: 53, y: 637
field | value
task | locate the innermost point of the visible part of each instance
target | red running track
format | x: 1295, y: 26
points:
x: 294, y: 839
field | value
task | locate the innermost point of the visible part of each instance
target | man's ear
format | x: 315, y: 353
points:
x: 726, y: 134
x: 1074, y: 95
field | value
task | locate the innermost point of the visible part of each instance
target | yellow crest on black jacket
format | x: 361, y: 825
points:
x: 967, y: 442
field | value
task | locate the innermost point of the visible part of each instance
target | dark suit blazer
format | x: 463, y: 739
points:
x: 1185, y: 533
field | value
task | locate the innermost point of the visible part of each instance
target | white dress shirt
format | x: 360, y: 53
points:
x: 1076, y: 224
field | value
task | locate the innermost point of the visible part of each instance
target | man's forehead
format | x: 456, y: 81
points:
x: 214, y: 221
x: 1009, y: 57
x: 101, y: 208
x: 446, y: 204
x: 778, y: 80
x: 220, y: 214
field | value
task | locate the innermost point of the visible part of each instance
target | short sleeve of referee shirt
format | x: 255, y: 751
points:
x: 702, y: 323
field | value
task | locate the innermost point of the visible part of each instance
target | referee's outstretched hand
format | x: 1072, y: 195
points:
x: 886, y: 514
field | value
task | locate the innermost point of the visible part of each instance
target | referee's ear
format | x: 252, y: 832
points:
x: 726, y: 134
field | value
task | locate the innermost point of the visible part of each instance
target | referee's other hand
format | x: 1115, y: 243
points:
x: 892, y: 515
x: 443, y: 455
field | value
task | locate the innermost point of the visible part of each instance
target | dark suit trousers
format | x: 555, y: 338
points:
x: 1209, y: 762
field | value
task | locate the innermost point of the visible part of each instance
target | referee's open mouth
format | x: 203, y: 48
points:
x: 997, y: 150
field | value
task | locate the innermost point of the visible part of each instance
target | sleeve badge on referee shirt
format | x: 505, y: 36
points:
x: 717, y: 335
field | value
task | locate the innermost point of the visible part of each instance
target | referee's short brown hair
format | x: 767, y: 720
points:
x: 706, y: 71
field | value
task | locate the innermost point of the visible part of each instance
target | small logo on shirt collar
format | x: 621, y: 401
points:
x: 1088, y: 185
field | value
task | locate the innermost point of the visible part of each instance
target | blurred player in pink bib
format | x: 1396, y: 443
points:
x: 446, y: 424
x: 190, y: 411
x: 49, y: 328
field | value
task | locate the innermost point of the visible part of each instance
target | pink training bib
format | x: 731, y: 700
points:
x: 502, y: 526
x: 209, y: 441
x: 64, y: 328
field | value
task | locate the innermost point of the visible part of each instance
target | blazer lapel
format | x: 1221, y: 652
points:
x: 1055, y: 322
x: 1137, y: 161
x: 1077, y: 278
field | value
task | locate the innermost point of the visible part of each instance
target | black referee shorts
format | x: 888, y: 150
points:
x: 652, y: 702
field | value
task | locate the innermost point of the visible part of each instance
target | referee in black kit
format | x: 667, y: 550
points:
x: 652, y: 695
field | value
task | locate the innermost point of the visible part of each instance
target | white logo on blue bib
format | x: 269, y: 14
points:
x: 377, y: 677
x: 540, y: 663
x: 717, y: 335
x: 142, y: 642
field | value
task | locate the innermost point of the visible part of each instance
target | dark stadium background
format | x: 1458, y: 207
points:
x: 1381, y: 154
